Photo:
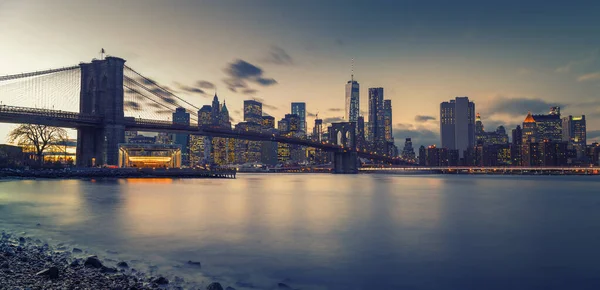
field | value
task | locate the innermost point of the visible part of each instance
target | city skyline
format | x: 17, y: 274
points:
x: 417, y: 68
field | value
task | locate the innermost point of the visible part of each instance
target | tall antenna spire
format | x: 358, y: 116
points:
x: 352, y: 71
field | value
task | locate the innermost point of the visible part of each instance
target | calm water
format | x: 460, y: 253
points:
x: 330, y: 231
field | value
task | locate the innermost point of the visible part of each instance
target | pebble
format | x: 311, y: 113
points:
x: 194, y: 263
x: 161, y: 281
x: 51, y: 272
x: 92, y: 262
x: 122, y: 264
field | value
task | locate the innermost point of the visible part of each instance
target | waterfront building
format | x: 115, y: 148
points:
x: 181, y: 117
x: 148, y: 155
x: 515, y: 147
x: 299, y: 109
x: 129, y: 135
x: 422, y: 155
x: 408, y: 153
x: 574, y: 132
x: 248, y: 151
x: 361, y: 142
x: 457, y: 124
x: 377, y: 120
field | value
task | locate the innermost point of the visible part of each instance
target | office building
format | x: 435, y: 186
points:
x: 457, y: 124
x: 549, y: 127
x: 574, y: 132
x: 181, y: 117
x: 377, y: 120
x: 408, y: 153
x: 253, y: 111
x: 317, y: 130
x: 515, y: 146
x: 268, y: 122
x: 299, y: 109
x: 352, y: 109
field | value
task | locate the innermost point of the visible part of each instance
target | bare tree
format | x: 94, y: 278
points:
x: 40, y: 137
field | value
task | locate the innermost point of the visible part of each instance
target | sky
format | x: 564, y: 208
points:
x: 509, y: 57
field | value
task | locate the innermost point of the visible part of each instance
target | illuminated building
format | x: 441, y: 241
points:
x: 253, y: 111
x: 387, y: 120
x: 574, y: 132
x: 130, y: 134
x: 457, y: 124
x: 283, y: 152
x: 181, y: 117
x: 163, y: 138
x: 515, y: 148
x: 408, y: 153
x: 149, y: 155
x: 549, y: 127
x: 205, y: 115
x: 377, y: 120
x: 293, y: 122
x: 479, y: 130
x: 361, y: 142
x: 529, y: 132
x: 593, y: 153
x: 268, y: 122
x: 60, y: 152
x: 197, y: 150
x: 245, y: 150
x: 299, y: 109
x: 553, y: 153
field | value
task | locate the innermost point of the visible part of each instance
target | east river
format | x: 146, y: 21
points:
x: 325, y: 231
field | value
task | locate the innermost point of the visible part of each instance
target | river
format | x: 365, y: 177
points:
x: 325, y: 231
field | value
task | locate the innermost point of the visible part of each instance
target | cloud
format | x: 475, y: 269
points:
x: 147, y: 81
x: 133, y: 105
x: 333, y: 120
x: 237, y: 112
x: 519, y: 106
x: 418, y: 134
x: 335, y: 110
x: 235, y: 84
x: 205, y: 84
x: 162, y: 112
x: 278, y: 55
x: 271, y: 107
x: 574, y: 63
x: 241, y: 72
x: 193, y: 90
x: 154, y: 105
x: 266, y: 81
x: 421, y: 118
x: 589, y: 77
x: 250, y: 91
x: 593, y: 134
x: 311, y: 114
x: 258, y: 99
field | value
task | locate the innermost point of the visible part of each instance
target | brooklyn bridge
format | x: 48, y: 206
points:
x: 111, y: 94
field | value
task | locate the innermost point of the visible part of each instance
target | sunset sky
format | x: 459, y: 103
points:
x: 509, y: 57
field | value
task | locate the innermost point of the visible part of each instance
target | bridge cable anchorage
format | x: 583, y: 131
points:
x: 162, y: 88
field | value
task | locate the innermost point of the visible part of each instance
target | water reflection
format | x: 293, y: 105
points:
x: 330, y: 231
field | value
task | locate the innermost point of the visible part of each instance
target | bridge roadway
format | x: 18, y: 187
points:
x: 490, y: 169
x: 65, y: 119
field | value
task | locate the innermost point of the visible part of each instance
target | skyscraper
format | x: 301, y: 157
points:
x: 216, y: 111
x: 352, y: 100
x: 529, y: 130
x: 408, y: 152
x: 253, y: 111
x: 574, y: 132
x: 361, y: 142
x: 549, y: 127
x: 181, y: 117
x: 300, y: 110
x: 377, y: 120
x: 387, y: 120
x: 457, y: 124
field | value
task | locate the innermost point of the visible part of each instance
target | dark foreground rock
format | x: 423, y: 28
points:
x: 214, y: 286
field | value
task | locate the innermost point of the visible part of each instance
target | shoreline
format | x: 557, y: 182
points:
x: 29, y: 263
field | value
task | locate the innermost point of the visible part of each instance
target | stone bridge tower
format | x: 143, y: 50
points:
x: 344, y: 161
x: 101, y: 95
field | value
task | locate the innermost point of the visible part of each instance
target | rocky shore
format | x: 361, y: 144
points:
x: 26, y: 263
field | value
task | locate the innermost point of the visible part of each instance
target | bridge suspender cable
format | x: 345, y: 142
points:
x: 37, y: 73
x: 162, y: 88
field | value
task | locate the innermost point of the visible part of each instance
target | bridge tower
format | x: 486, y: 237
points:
x: 101, y: 95
x: 344, y: 134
